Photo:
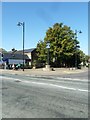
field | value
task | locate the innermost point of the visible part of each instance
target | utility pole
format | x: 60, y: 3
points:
x: 76, y: 32
x: 23, y: 30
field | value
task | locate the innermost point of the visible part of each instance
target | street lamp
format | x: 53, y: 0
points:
x: 48, y: 46
x: 23, y: 30
x: 76, y: 32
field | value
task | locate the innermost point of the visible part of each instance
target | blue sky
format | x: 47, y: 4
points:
x: 38, y: 17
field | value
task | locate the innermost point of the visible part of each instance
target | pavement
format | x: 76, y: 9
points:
x: 35, y: 93
x: 25, y: 96
x: 55, y: 72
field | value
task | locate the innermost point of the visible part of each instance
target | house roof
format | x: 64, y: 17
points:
x: 26, y: 50
x: 14, y: 56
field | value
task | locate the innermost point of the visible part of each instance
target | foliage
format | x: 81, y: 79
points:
x: 63, y: 46
x: 3, y: 50
x: 87, y: 58
x: 13, y: 50
x: 34, y: 63
x: 41, y: 51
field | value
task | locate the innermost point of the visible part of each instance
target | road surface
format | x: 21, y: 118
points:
x: 26, y: 96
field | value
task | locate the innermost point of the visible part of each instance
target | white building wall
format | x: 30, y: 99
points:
x: 14, y: 61
x: 29, y: 55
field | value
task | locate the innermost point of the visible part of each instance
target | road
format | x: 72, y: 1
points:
x: 26, y: 96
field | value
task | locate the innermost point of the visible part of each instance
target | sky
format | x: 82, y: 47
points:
x: 38, y: 17
x: 45, y: 0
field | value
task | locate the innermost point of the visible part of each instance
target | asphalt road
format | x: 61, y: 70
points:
x: 25, y: 96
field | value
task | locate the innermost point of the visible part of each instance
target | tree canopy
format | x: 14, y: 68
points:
x: 64, y: 46
x: 3, y: 50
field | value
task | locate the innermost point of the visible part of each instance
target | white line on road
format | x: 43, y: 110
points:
x: 48, y: 84
x: 63, y: 87
x: 62, y: 78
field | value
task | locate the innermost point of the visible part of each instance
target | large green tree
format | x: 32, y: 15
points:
x: 63, y: 46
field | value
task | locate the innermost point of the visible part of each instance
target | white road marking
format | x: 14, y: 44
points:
x: 63, y: 87
x: 58, y: 80
x: 64, y: 78
x: 6, y: 77
x: 48, y: 84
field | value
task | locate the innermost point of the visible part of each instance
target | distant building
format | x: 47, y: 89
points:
x: 31, y: 53
x: 16, y: 57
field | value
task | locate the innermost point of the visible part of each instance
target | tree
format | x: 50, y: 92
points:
x: 3, y: 50
x: 80, y: 57
x: 87, y: 58
x: 13, y: 50
x: 41, y: 51
x: 63, y: 45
